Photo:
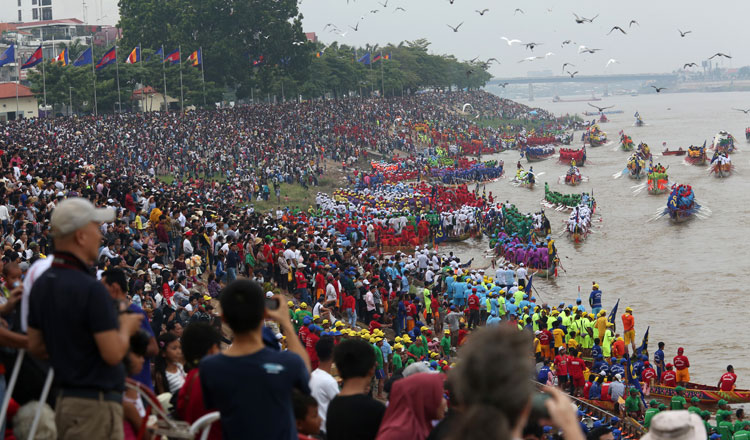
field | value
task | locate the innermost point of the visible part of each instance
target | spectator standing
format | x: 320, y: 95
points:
x: 323, y: 387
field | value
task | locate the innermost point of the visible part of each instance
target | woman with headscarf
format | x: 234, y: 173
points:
x: 414, y: 403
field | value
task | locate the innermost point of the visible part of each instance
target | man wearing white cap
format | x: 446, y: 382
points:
x: 74, y: 322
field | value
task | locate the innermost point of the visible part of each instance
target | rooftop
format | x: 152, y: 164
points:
x: 8, y: 90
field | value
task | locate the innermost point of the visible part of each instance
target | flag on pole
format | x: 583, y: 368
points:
x: 387, y: 56
x: 109, y: 58
x: 34, y: 59
x: 613, y: 313
x: 527, y: 289
x: 158, y: 53
x: 84, y: 58
x: 173, y: 58
x: 377, y: 57
x: 318, y: 54
x: 644, y: 343
x: 63, y: 57
x: 258, y: 61
x: 365, y: 59
x: 8, y: 56
x: 135, y: 56
x: 195, y: 58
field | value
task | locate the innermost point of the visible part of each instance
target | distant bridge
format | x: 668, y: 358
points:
x: 662, y: 77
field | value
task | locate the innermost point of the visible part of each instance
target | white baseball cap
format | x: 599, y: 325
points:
x: 676, y: 425
x: 74, y: 213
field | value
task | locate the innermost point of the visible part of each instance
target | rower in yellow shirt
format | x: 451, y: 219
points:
x: 601, y: 324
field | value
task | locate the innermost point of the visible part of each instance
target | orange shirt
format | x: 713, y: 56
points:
x: 628, y: 321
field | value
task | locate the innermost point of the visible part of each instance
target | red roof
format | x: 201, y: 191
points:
x: 8, y: 90
x: 68, y: 21
x: 148, y: 90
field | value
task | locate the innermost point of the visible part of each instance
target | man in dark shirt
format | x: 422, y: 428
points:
x: 353, y: 414
x: 73, y: 321
x: 231, y: 263
x: 251, y: 385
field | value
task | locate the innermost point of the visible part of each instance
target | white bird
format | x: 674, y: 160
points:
x: 548, y: 54
x: 531, y: 59
x: 343, y: 34
x: 582, y: 49
x: 510, y: 42
x: 611, y: 61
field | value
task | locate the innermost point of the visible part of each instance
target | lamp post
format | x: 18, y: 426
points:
x: 70, y: 97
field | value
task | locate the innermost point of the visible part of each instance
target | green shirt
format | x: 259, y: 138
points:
x: 397, y: 363
x: 726, y: 430
x: 417, y: 351
x: 650, y: 413
x: 742, y: 435
x: 739, y: 425
x: 678, y: 402
x: 632, y: 404
x: 694, y: 409
x: 720, y: 414
x: 378, y: 356
x: 446, y: 344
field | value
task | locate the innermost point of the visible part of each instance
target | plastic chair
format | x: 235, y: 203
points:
x: 203, y: 424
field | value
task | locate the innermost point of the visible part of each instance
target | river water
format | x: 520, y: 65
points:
x: 686, y: 281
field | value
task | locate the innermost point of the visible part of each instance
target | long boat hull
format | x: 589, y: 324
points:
x: 679, y: 216
x: 701, y: 160
x: 706, y: 394
x: 530, y: 158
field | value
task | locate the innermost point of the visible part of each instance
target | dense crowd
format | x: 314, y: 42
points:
x: 291, y: 322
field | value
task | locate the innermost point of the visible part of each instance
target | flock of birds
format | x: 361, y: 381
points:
x: 530, y: 46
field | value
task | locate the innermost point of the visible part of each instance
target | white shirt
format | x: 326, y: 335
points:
x: 187, y: 247
x: 521, y: 273
x: 323, y: 388
x: 35, y: 271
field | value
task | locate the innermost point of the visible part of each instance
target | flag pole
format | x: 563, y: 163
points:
x: 93, y: 72
x: 182, y: 100
x: 117, y: 74
x: 203, y: 75
x: 44, y: 79
x: 18, y: 71
x: 164, y: 76
x: 382, y: 78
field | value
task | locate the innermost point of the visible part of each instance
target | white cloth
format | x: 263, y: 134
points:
x: 35, y: 271
x: 323, y: 388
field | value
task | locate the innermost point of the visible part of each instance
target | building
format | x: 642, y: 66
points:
x: 311, y: 37
x: 147, y: 99
x: 25, y: 103
x: 95, y: 12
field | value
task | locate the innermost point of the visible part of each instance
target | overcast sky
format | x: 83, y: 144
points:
x: 654, y: 46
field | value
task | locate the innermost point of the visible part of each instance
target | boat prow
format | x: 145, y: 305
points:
x: 706, y: 393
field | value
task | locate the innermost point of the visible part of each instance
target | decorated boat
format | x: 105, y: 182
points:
x: 721, y: 165
x: 573, y: 177
x: 706, y: 393
x: 535, y: 154
x: 643, y: 151
x: 594, y: 136
x: 678, y: 152
x: 559, y: 201
x: 573, y: 157
x: 524, y: 178
x: 658, y: 181
x: 603, y: 118
x: 747, y: 134
x: 681, y: 204
x: 696, y: 155
x: 636, y: 167
x: 724, y: 143
x: 638, y: 120
x: 578, y: 224
x: 606, y: 112
x: 626, y: 142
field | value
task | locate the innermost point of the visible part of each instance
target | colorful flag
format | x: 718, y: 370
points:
x: 158, y: 53
x: 195, y: 58
x: 35, y: 58
x: 387, y: 56
x: 84, y: 58
x: 528, y: 285
x: 258, y: 61
x: 377, y: 57
x: 365, y: 59
x: 63, y: 57
x: 9, y: 56
x: 173, y: 57
x: 318, y: 54
x: 644, y: 343
x: 613, y: 313
x: 108, y: 58
x: 135, y: 56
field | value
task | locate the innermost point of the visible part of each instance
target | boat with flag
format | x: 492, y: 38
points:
x: 573, y: 157
x: 708, y: 395
x: 561, y: 202
x: 643, y: 151
x: 594, y: 136
x: 724, y: 143
x: 524, y: 178
x: 681, y: 204
x: 636, y: 167
x: 658, y: 181
x: 721, y: 165
x: 696, y: 155
x: 536, y: 154
x: 638, y: 120
x: 573, y: 177
x: 626, y: 142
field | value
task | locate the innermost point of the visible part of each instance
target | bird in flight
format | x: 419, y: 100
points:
x: 685, y: 66
x: 510, y: 42
x: 399, y: 9
x: 601, y: 109
x: 531, y: 58
x: 518, y: 10
x: 741, y: 110
x: 328, y: 25
x: 566, y: 42
x: 374, y: 11
x: 567, y: 64
x: 632, y: 22
x: 531, y: 46
x: 581, y: 20
x: 582, y: 49
x: 503, y: 84
x: 491, y: 60
x: 384, y: 4
x: 355, y: 28
x: 719, y: 54
x: 611, y: 61
x: 455, y: 29
x: 617, y: 28
x: 482, y: 12
x: 682, y: 34
x: 571, y: 74
x: 659, y: 89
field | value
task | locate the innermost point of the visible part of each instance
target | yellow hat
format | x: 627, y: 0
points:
x: 424, y: 328
x: 398, y: 339
x: 609, y: 324
x: 555, y: 313
x: 297, y: 310
x: 325, y: 321
x: 303, y: 306
x: 433, y: 354
x: 447, y: 332
x: 290, y: 303
x: 315, y: 317
x: 628, y: 309
x: 339, y: 324
x: 602, y: 313
x: 206, y: 297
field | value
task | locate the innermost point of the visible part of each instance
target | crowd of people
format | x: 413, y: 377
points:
x: 289, y: 323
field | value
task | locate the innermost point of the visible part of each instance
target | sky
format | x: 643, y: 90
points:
x: 652, y: 46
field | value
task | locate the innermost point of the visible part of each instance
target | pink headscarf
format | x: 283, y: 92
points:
x: 414, y: 403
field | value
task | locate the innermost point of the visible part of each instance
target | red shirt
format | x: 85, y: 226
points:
x: 648, y: 374
x: 473, y: 302
x: 320, y: 282
x: 681, y: 362
x: 618, y: 348
x: 727, y: 381
x: 669, y: 378
x: 586, y: 389
x: 190, y: 404
x: 561, y: 365
x: 576, y: 367
x: 462, y: 335
x: 544, y: 337
x: 301, y: 280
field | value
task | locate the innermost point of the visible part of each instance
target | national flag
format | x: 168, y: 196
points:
x: 108, y: 58
x: 63, y: 57
x: 377, y: 57
x: 84, y: 58
x: 387, y: 56
x: 173, y: 57
x: 318, y: 54
x: 613, y: 313
x: 135, y: 56
x: 441, y: 236
x: 632, y: 379
x: 644, y: 343
x: 159, y: 52
x: 365, y: 59
x: 258, y: 61
x: 527, y: 289
x: 35, y: 58
x: 195, y: 58
x: 8, y: 56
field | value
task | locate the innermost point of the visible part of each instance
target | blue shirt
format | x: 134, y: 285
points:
x: 596, y: 351
x: 253, y: 393
x: 144, y: 376
x: 595, y: 392
x: 659, y: 357
x: 511, y: 308
x: 595, y: 299
x: 493, y: 321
